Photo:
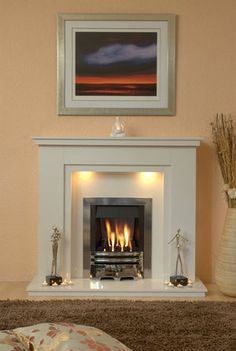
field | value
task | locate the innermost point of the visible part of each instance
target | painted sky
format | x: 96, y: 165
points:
x: 116, y: 57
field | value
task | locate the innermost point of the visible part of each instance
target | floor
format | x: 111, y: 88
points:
x: 17, y: 290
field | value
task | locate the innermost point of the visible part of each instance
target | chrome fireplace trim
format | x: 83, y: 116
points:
x: 111, y: 201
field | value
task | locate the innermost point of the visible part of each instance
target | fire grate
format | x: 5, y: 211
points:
x: 116, y: 265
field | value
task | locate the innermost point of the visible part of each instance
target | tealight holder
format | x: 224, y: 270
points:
x: 170, y: 285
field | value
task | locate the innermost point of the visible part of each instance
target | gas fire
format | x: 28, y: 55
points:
x: 119, y: 237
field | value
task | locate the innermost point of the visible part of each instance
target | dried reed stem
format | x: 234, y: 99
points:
x: 225, y: 140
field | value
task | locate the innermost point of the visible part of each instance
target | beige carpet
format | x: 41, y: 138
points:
x: 141, y: 325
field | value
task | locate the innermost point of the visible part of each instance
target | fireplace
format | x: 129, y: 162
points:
x: 117, y: 238
x: 84, y: 185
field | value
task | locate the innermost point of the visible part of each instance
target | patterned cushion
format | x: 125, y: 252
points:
x: 9, y: 342
x: 66, y: 337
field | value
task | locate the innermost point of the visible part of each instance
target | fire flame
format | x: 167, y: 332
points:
x: 113, y: 240
x: 121, y: 237
x: 127, y: 235
x: 108, y: 229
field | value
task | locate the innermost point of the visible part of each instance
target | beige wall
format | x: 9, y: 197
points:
x: 206, y: 84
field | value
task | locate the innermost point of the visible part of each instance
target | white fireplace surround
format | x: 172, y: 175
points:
x: 116, y: 167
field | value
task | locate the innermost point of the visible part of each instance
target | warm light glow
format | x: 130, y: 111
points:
x: 85, y: 175
x: 148, y: 177
x: 148, y: 174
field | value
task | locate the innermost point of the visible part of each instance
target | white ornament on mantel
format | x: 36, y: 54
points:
x: 118, y: 129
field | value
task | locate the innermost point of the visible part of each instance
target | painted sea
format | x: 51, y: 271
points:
x: 116, y: 89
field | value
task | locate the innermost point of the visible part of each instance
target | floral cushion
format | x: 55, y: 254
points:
x: 65, y: 337
x: 9, y: 342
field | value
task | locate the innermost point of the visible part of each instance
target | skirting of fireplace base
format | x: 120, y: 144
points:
x: 137, y: 288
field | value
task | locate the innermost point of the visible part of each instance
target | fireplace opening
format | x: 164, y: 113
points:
x: 119, y: 237
x: 117, y: 228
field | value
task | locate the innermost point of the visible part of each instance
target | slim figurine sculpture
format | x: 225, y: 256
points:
x: 54, y: 278
x: 55, y: 237
x: 178, y: 278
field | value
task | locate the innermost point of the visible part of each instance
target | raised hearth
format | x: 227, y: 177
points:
x: 74, y: 170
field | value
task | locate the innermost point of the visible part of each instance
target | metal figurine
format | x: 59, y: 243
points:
x: 178, y: 278
x: 54, y: 278
x: 55, y: 237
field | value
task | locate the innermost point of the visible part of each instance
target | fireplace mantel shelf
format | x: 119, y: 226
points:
x: 124, y: 141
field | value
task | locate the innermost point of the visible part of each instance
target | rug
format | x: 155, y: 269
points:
x: 141, y: 325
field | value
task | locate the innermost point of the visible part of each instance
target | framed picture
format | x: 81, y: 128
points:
x: 116, y: 64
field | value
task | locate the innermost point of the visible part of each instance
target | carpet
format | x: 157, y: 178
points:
x: 141, y: 325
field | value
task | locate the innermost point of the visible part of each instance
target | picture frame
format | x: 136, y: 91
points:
x: 111, y: 64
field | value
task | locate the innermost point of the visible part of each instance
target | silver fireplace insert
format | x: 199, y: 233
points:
x: 117, y: 238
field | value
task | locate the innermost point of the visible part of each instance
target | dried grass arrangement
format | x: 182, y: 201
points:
x: 225, y: 139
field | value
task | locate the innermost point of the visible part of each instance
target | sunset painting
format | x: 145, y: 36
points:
x: 116, y: 63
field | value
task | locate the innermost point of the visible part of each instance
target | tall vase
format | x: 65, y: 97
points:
x: 226, y: 259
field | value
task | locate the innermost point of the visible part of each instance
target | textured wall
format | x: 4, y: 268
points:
x: 206, y: 84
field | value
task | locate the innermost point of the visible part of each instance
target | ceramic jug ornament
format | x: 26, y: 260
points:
x: 224, y: 136
x: 226, y: 258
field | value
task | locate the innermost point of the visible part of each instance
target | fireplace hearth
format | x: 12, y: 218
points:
x: 119, y: 234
